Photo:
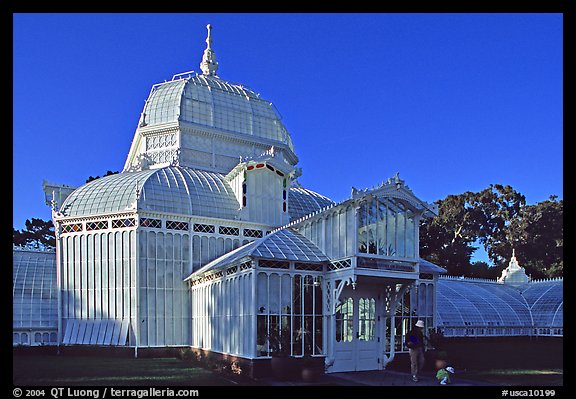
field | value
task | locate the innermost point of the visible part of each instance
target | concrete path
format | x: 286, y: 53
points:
x: 391, y: 378
x: 375, y: 378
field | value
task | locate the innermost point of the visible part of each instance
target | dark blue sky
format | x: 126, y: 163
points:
x: 453, y: 102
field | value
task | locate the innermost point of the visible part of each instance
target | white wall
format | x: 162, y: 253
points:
x: 164, y: 303
x: 223, y: 315
x: 98, y: 278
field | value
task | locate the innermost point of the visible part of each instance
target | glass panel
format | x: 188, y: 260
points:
x: 400, y: 230
x: 344, y: 320
x: 307, y: 334
x: 382, y: 247
x: 262, y: 293
x: 262, y: 341
x: 362, y: 229
x: 274, y: 293
x: 372, y: 219
x: 297, y: 330
x: 308, y: 295
x: 410, y: 234
x: 318, y: 295
x: 391, y: 231
x: 286, y: 295
x: 274, y: 334
x: 318, y: 336
x: 296, y: 295
x: 366, y: 319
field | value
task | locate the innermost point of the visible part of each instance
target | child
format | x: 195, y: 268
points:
x: 443, y: 375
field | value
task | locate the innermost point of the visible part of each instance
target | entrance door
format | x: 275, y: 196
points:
x: 356, y: 346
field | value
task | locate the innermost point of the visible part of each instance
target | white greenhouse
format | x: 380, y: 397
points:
x: 206, y: 240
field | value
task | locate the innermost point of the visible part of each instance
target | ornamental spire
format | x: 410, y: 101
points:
x: 209, y: 65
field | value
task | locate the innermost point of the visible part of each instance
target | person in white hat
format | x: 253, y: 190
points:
x: 415, y: 344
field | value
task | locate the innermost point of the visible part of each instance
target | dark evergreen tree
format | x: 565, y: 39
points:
x: 37, y: 234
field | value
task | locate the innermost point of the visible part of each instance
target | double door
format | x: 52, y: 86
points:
x: 356, y: 331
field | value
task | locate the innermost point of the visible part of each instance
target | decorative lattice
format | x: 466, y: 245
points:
x: 152, y: 223
x: 252, y: 233
x: 176, y: 225
x: 309, y: 266
x: 246, y: 265
x: 231, y: 270
x: 229, y: 231
x: 273, y: 264
x: 204, y: 228
x: 99, y: 225
x: 340, y: 264
x: 161, y: 141
x: 71, y: 228
x: 121, y: 223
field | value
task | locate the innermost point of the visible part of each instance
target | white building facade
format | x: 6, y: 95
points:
x: 206, y: 239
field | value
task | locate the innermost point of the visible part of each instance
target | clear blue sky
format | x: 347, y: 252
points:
x: 453, y: 102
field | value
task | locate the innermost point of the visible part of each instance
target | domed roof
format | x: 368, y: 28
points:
x: 209, y: 101
x: 302, y: 202
x: 205, y: 122
x: 172, y: 189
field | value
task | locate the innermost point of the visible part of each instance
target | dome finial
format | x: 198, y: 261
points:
x: 209, y: 65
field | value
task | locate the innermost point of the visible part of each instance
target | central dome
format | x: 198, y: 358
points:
x: 205, y: 122
x: 212, y: 102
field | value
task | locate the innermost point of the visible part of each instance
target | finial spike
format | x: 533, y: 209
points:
x: 209, y: 65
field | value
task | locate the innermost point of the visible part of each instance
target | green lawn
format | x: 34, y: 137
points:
x: 74, y: 370
x: 517, y: 377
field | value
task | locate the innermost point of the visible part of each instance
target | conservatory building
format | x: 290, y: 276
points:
x: 206, y: 240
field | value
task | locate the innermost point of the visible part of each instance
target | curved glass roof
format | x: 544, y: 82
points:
x: 284, y: 244
x: 302, y: 202
x: 34, y: 293
x: 477, y: 303
x: 172, y: 189
x: 546, y: 301
x: 213, y: 102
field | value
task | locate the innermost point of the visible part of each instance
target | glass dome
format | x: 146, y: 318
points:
x: 209, y: 101
x: 172, y: 189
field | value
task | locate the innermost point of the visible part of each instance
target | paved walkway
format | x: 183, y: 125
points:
x: 376, y: 378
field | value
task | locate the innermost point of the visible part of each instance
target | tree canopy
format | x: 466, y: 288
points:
x: 37, y: 234
x: 498, y: 219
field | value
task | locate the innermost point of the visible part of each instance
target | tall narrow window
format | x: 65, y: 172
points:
x: 362, y: 229
x: 366, y: 319
x: 345, y: 320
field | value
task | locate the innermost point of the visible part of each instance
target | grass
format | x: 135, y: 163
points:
x: 34, y: 370
x: 516, y: 377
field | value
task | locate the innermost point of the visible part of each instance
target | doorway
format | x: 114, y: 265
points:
x: 356, y: 332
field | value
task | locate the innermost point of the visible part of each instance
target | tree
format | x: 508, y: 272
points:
x: 447, y: 239
x: 37, y: 234
x: 108, y: 173
x: 499, y: 219
x: 537, y: 233
x: 493, y: 209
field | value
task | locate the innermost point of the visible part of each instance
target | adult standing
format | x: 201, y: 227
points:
x: 415, y: 344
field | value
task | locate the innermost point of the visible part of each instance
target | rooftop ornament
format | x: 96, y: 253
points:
x: 209, y: 65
